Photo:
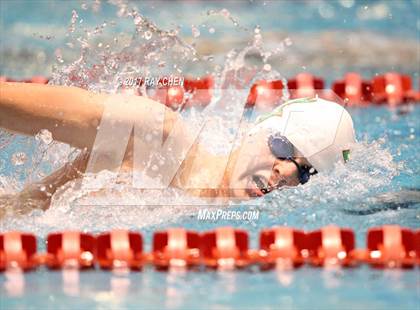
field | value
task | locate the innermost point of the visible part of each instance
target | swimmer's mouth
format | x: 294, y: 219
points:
x: 262, y: 189
x: 259, y: 182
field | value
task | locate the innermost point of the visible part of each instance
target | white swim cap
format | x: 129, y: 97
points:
x: 320, y: 130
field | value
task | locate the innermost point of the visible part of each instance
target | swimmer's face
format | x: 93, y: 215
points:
x: 258, y: 172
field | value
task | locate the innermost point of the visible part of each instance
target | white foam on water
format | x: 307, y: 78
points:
x: 370, y: 170
x: 354, y: 184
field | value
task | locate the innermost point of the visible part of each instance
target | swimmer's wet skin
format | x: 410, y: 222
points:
x: 284, y: 148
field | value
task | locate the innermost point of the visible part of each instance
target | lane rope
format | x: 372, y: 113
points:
x: 391, y: 89
x: 388, y: 246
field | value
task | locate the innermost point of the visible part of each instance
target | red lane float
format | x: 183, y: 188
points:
x: 282, y: 247
x: 38, y: 80
x: 176, y: 247
x: 200, y: 91
x: 393, y: 88
x: 175, y: 97
x: 6, y: 79
x: 265, y: 94
x: 70, y: 249
x: 171, y: 96
x: 120, y: 249
x: 391, y: 246
x: 225, y: 248
x: 331, y: 245
x: 305, y: 85
x: 18, y: 250
x: 353, y: 89
x: 417, y: 243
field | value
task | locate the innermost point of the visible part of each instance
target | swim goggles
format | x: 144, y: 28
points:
x: 283, y: 149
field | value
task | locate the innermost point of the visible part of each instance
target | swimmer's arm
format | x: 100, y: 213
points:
x: 71, y: 114
x: 38, y: 195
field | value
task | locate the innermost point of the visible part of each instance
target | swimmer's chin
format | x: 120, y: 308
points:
x: 224, y: 195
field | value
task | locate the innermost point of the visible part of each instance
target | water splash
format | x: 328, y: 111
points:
x: 18, y: 158
x: 44, y: 136
x: 152, y: 51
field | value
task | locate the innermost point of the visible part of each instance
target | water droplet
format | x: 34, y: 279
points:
x: 44, y: 136
x: 347, y: 3
x: 19, y: 158
x: 225, y: 13
x: 42, y: 188
x: 148, y: 35
x: 195, y: 31
x: 288, y: 41
x: 212, y: 30
x: 74, y: 18
x: 257, y: 29
x: 326, y: 11
x: 137, y: 20
x: 267, y: 67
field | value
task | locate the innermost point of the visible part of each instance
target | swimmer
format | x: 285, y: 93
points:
x: 284, y: 148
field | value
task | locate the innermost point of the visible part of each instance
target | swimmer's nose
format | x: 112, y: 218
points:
x: 283, y: 173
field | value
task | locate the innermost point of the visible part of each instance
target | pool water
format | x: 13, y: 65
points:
x: 305, y: 288
x: 380, y: 185
x: 393, y: 200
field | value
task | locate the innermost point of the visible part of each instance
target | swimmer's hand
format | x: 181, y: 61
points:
x: 38, y: 195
